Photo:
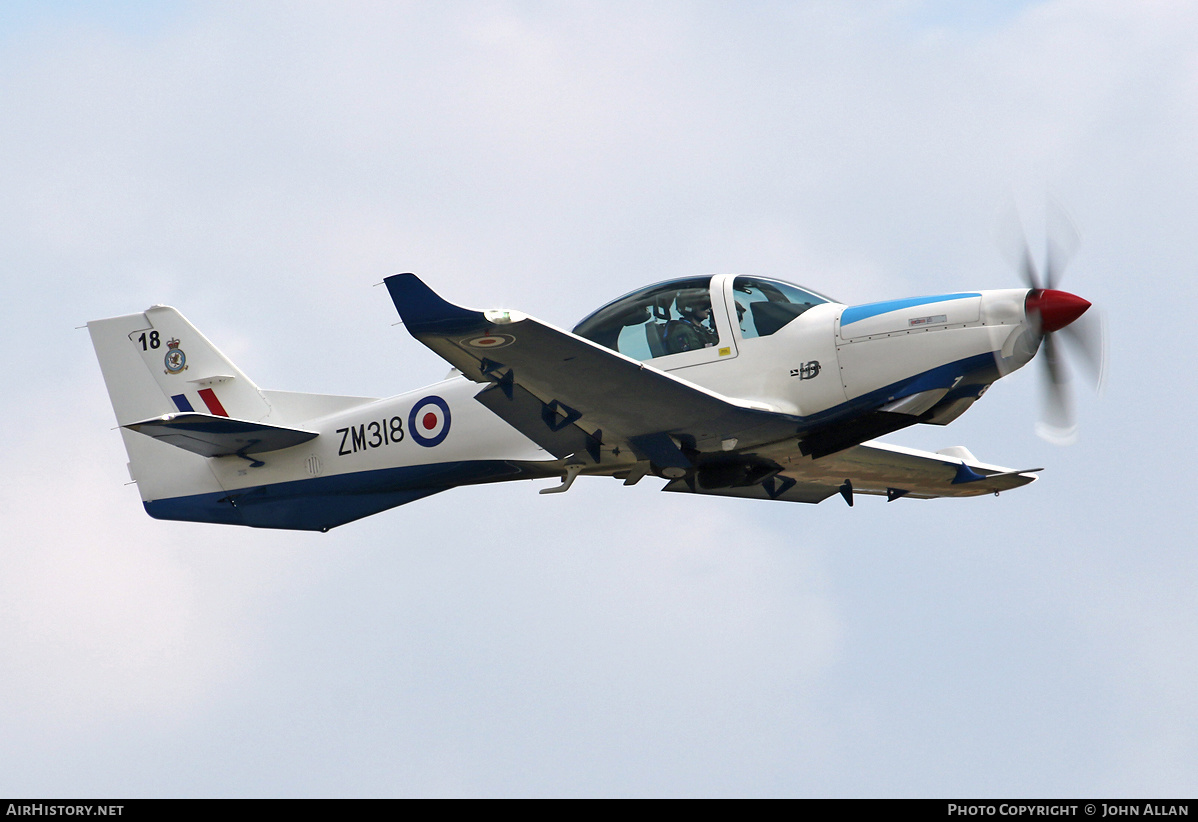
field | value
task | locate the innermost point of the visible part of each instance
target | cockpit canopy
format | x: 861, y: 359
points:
x: 684, y: 315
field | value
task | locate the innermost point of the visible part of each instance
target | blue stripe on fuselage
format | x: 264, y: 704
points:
x: 857, y: 313
x: 980, y: 369
x: 320, y: 503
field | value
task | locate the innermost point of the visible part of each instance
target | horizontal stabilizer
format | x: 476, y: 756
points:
x: 213, y: 436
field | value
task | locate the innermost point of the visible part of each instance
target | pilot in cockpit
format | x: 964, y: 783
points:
x: 692, y: 331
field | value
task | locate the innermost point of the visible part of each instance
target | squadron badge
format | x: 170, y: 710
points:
x: 175, y: 360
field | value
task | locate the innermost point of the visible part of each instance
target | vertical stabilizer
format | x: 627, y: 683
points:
x: 158, y: 363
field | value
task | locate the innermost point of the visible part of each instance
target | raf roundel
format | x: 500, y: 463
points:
x: 491, y: 341
x: 428, y: 421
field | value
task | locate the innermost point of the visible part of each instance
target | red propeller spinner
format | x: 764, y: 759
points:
x: 1056, y: 309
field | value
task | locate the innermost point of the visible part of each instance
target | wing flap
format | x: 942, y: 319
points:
x: 213, y: 436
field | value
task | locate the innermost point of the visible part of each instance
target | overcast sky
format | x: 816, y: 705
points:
x: 261, y: 166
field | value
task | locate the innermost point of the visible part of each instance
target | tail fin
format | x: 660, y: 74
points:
x: 157, y: 363
x: 181, y: 405
x: 168, y: 382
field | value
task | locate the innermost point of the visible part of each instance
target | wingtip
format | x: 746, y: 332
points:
x: 422, y: 309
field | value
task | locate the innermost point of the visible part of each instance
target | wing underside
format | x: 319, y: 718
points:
x: 875, y: 469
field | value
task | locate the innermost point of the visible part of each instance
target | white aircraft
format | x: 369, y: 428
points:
x: 729, y: 385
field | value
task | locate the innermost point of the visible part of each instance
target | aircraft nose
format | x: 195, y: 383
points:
x: 1056, y: 308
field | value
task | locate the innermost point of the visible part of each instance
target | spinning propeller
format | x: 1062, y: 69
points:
x: 1051, y: 312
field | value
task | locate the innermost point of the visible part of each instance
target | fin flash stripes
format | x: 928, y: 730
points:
x: 209, y: 398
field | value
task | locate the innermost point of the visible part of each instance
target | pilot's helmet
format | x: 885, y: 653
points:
x: 689, y: 302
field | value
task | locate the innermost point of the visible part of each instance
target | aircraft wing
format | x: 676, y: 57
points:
x: 880, y: 469
x: 572, y: 396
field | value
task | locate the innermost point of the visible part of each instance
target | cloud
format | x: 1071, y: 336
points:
x: 261, y: 171
x: 103, y: 621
